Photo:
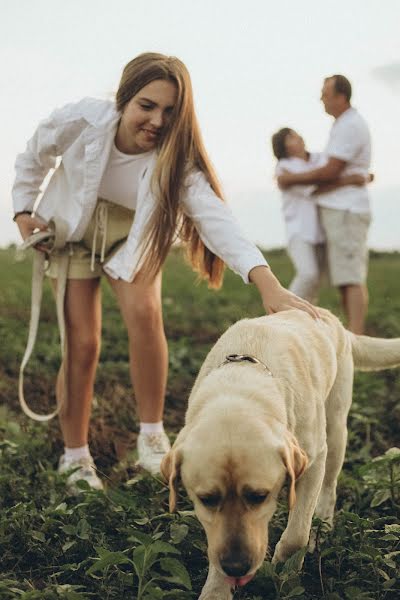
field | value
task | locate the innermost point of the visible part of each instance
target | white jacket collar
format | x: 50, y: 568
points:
x: 101, y: 114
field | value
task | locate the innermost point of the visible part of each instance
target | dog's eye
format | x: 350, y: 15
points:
x: 255, y: 498
x: 211, y: 501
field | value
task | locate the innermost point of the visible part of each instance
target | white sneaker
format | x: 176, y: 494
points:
x: 83, y: 468
x: 152, y: 447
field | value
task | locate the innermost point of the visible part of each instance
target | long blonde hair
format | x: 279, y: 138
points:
x: 181, y: 151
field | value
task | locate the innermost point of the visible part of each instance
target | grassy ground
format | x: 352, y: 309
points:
x: 124, y: 544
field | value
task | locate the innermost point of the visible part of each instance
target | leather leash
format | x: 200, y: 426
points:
x: 54, y: 238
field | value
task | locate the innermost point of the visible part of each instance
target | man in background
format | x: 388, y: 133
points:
x: 344, y: 211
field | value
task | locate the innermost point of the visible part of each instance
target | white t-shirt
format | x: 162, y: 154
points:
x: 120, y: 180
x: 298, y: 205
x: 350, y: 141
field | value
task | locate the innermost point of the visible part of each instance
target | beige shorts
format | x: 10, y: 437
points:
x: 106, y: 233
x: 346, y: 239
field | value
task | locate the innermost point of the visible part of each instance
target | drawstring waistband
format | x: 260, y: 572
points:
x: 100, y: 226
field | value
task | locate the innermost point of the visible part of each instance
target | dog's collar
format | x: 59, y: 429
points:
x: 233, y: 358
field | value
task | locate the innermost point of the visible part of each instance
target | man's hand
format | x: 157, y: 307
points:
x: 355, y: 179
x: 284, y: 180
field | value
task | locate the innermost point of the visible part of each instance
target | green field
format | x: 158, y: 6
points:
x: 124, y: 544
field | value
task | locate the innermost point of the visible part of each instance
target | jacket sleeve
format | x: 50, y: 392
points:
x: 218, y: 228
x: 52, y: 137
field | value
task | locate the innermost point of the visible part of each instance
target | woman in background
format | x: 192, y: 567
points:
x: 305, y: 236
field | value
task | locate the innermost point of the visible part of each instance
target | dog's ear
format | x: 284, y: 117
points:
x: 296, y: 461
x: 170, y: 470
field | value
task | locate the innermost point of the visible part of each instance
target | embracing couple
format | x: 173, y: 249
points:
x: 326, y: 205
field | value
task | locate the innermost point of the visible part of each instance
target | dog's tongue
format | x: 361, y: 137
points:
x: 238, y: 581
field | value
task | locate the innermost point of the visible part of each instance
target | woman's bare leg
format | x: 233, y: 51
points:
x: 83, y: 332
x: 140, y: 304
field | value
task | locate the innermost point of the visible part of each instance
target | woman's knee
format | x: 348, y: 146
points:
x: 84, y: 346
x: 146, y: 313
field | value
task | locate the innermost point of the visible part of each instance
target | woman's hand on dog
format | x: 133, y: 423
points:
x: 274, y: 296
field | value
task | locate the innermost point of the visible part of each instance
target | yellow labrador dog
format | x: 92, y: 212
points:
x: 271, y: 400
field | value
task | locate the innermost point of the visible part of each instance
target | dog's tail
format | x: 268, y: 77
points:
x: 374, y: 354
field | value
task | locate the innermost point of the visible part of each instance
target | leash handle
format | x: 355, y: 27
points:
x: 36, y: 238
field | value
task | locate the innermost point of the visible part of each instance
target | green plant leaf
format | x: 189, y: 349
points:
x: 68, y: 545
x: 160, y: 547
x: 177, y: 570
x: 108, y: 559
x: 178, y: 532
x: 83, y: 529
x: 380, y: 497
x: 38, y: 535
x: 138, y: 559
x: 392, y: 528
x: 297, y: 591
x: 295, y: 562
x: 139, y: 536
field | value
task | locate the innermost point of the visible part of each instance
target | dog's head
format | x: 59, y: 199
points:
x: 233, y: 475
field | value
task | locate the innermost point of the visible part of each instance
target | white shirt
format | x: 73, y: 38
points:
x: 120, y: 180
x: 298, y: 205
x: 82, y: 134
x: 350, y: 141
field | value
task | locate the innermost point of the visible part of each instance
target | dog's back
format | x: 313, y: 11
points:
x: 301, y: 353
x: 293, y: 335
x: 291, y: 344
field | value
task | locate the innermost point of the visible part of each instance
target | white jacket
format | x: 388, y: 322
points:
x: 82, y: 135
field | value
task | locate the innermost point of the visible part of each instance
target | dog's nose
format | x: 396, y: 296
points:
x: 238, y: 568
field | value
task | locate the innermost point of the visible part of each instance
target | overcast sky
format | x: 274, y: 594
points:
x: 256, y: 66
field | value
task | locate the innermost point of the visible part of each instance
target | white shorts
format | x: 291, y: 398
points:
x: 346, y: 240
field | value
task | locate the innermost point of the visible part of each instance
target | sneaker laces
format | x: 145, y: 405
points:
x: 156, y: 442
x: 85, y: 463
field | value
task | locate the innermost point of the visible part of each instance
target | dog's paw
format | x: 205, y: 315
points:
x: 284, y: 551
x: 278, y: 556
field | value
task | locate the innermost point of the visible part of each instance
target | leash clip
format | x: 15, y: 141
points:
x: 240, y: 358
x: 234, y: 358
